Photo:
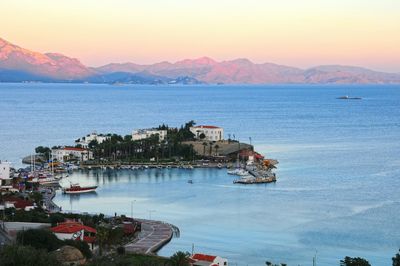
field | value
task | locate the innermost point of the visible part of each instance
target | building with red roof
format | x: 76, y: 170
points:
x: 199, y: 259
x: 75, y: 231
x: 210, y: 133
x: 69, y: 153
x: 19, y: 203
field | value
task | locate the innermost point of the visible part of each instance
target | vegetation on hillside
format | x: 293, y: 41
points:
x: 125, y: 149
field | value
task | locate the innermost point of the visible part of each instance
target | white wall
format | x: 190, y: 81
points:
x: 212, y: 134
x: 4, y: 170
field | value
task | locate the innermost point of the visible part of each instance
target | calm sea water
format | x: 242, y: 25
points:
x: 339, y: 176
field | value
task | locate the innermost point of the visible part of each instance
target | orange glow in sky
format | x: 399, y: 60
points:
x: 300, y: 33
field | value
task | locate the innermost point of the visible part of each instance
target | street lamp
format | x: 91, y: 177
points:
x: 132, y: 208
x: 150, y: 211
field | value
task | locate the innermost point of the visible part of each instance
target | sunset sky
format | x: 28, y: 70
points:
x: 300, y: 33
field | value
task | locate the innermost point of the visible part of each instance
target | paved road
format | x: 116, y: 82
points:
x: 153, y: 236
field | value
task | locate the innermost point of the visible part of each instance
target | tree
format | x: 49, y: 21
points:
x: 396, y: 259
x: 202, y: 136
x: 180, y: 259
x: 45, y: 151
x: 204, y: 148
x: 37, y: 197
x: 216, y: 147
x: 16, y: 255
x: 102, y: 237
x: 39, y: 238
x: 93, y: 144
x: 348, y: 261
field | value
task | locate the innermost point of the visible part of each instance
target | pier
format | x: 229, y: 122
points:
x: 154, y: 235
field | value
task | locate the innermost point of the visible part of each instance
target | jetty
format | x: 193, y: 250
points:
x: 153, y: 236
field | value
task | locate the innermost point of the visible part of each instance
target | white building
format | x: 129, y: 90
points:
x: 5, y: 175
x: 67, y: 153
x: 207, y: 260
x: 75, y: 231
x: 211, y: 133
x: 84, y: 141
x: 147, y: 133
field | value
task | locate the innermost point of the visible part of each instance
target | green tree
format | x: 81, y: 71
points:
x: 45, y: 151
x: 93, y: 144
x: 396, y: 259
x: 180, y: 259
x: 102, y: 238
x: 17, y: 255
x: 204, y: 148
x: 348, y: 261
x: 37, y: 197
x: 216, y: 147
x: 39, y: 239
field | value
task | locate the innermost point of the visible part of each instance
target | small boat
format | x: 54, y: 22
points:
x: 76, y: 188
x: 346, y: 97
x: 190, y: 181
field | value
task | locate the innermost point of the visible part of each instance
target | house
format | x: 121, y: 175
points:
x: 210, y: 133
x: 69, y: 153
x: 140, y: 134
x: 18, y: 203
x: 207, y: 260
x: 84, y: 141
x: 75, y: 231
x: 5, y: 175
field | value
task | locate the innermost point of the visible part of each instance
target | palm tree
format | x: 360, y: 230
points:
x: 180, y: 259
x: 204, y: 148
x: 216, y: 147
x: 211, y: 146
x: 102, y: 237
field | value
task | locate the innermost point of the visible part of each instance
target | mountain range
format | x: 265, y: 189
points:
x: 22, y: 65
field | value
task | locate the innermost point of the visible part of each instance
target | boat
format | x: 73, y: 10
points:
x: 190, y: 181
x: 76, y: 189
x: 238, y: 171
x: 346, y: 97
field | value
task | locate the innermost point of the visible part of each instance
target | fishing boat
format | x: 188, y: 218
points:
x: 76, y: 189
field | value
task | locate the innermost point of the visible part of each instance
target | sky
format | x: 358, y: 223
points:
x: 300, y: 33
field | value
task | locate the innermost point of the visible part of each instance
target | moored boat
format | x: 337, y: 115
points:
x: 76, y: 189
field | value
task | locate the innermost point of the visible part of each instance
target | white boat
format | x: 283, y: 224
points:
x: 240, y: 172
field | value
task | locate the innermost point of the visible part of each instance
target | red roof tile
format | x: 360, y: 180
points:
x: 73, y: 149
x: 206, y: 127
x: 19, y: 203
x: 203, y: 257
x: 71, y: 227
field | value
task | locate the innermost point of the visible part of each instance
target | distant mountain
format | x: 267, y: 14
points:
x: 50, y: 65
x: 18, y: 64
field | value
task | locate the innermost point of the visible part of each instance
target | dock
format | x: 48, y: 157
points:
x: 154, y: 235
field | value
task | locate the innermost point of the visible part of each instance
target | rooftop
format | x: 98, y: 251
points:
x: 203, y: 257
x: 71, y: 227
x: 206, y: 126
x: 71, y: 149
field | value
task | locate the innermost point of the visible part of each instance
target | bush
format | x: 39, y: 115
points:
x: 39, y: 238
x: 25, y: 256
x: 121, y: 250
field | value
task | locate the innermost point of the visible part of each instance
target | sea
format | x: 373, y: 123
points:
x: 337, y: 192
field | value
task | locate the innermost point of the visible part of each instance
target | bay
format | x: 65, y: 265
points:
x: 338, y: 177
